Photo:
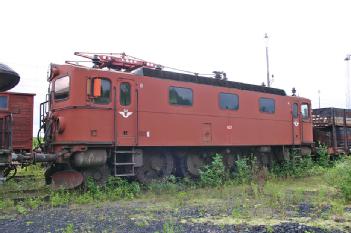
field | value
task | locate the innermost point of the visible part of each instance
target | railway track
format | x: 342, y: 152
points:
x: 20, y: 195
x: 23, y: 187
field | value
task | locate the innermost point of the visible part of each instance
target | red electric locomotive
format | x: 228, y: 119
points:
x: 128, y: 117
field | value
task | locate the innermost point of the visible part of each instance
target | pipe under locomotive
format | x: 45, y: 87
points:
x: 128, y: 117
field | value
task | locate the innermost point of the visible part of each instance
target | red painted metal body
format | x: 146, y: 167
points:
x: 19, y: 106
x: 150, y: 120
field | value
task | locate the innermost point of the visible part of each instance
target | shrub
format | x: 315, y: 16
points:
x: 322, y: 156
x: 244, y: 170
x: 340, y: 177
x: 296, y: 166
x: 118, y: 188
x: 213, y: 175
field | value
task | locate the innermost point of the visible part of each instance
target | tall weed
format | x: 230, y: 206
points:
x: 213, y: 175
x: 244, y: 169
x: 323, y: 159
x: 340, y: 177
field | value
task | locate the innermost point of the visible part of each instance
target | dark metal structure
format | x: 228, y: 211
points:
x: 8, y: 78
x: 332, y: 127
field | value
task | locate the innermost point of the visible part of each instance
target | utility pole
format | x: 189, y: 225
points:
x: 266, y: 40
x: 348, y: 81
x: 319, y: 98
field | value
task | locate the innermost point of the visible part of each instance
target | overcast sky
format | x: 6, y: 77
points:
x: 308, y: 40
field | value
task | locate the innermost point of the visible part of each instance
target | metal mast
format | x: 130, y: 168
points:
x: 348, y: 81
x: 266, y: 40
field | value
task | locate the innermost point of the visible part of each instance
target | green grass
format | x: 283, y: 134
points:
x: 240, y: 197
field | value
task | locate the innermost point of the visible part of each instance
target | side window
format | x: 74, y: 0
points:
x: 305, y: 111
x: 105, y: 91
x: 295, y: 110
x: 180, y: 96
x: 228, y: 101
x: 3, y: 102
x: 125, y: 95
x: 61, y: 88
x: 267, y: 105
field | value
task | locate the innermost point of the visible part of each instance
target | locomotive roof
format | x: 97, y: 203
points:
x: 207, y: 81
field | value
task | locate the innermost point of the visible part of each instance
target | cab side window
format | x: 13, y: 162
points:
x: 228, y: 101
x: 180, y: 96
x: 61, y: 88
x: 267, y: 105
x: 105, y: 91
x: 305, y: 111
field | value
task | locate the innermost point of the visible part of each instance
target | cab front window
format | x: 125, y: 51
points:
x: 61, y: 88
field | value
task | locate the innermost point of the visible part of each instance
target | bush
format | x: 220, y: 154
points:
x: 243, y: 170
x: 322, y: 156
x: 296, y: 166
x: 213, y: 175
x: 118, y: 188
x: 340, y: 177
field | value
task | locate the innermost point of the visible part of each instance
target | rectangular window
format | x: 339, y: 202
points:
x: 295, y: 110
x: 125, y: 94
x: 61, y: 89
x: 229, y: 101
x: 180, y: 96
x: 267, y: 105
x: 105, y: 90
x: 3, y: 102
x: 305, y: 111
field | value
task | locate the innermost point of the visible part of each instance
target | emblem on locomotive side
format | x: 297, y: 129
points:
x: 296, y: 123
x: 125, y: 113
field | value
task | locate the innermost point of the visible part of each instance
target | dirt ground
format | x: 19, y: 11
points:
x: 151, y: 216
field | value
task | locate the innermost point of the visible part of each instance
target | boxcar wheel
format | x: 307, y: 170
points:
x: 156, y: 166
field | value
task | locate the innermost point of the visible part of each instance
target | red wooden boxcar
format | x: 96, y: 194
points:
x: 16, y: 119
x: 150, y: 122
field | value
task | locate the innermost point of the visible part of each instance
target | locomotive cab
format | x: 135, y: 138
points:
x: 88, y: 113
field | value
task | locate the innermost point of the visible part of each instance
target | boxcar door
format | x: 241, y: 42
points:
x: 126, y: 112
x: 296, y: 124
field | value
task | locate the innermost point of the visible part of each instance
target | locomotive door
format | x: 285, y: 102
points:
x: 306, y: 123
x: 126, y: 112
x: 296, y: 124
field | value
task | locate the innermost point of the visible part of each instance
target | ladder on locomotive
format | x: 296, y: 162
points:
x: 124, y: 162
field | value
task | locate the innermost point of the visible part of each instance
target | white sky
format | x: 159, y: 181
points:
x: 308, y: 39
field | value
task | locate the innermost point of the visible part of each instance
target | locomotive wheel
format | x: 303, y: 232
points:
x: 189, y: 165
x: 156, y: 167
x: 98, y: 174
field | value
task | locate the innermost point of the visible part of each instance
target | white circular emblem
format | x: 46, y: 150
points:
x: 296, y: 123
